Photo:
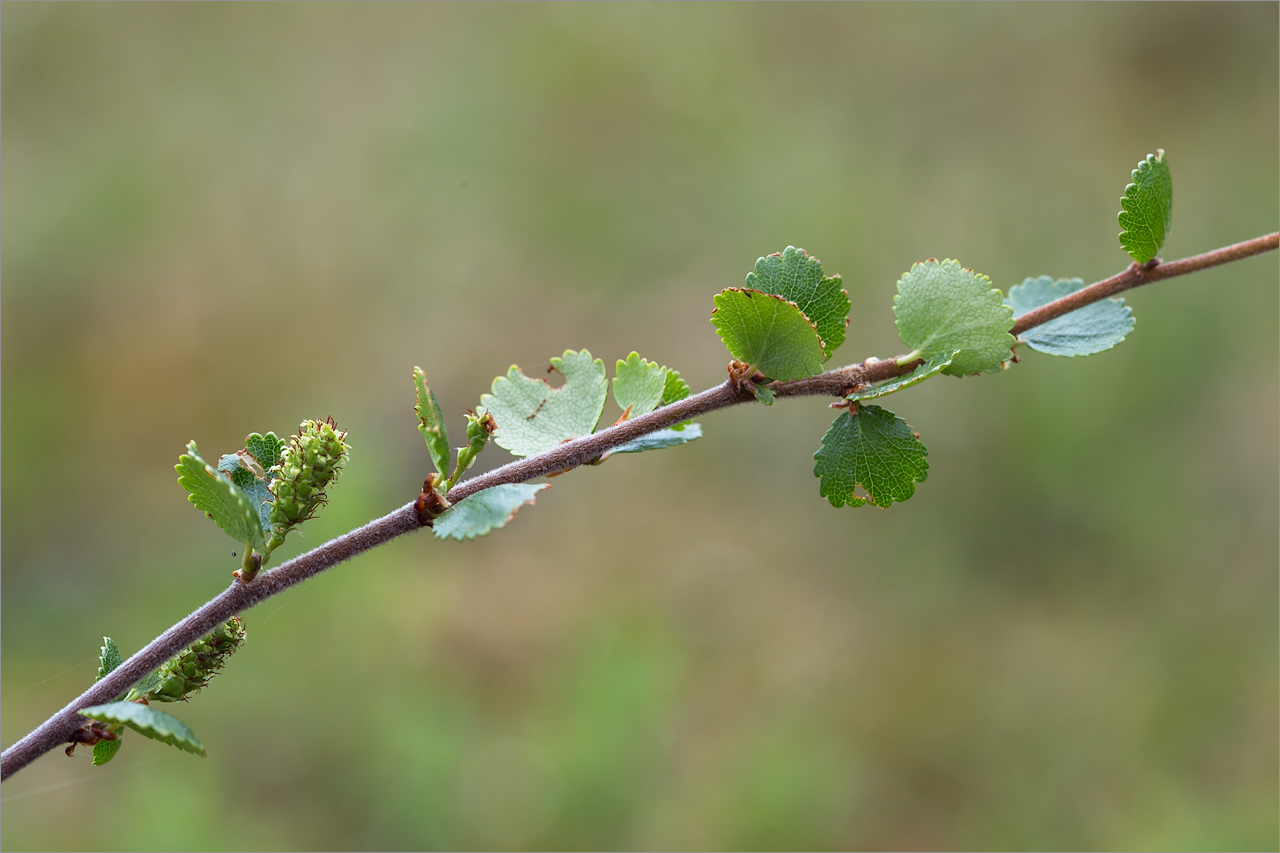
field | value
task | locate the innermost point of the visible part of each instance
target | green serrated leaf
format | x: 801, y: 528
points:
x: 874, y: 449
x: 763, y: 393
x: 944, y: 310
x: 484, y: 511
x: 257, y: 489
x: 105, y: 750
x: 769, y: 333
x: 431, y: 423
x: 109, y: 658
x: 148, y: 722
x: 925, y: 371
x: 797, y: 277
x: 674, y: 389
x: 216, y: 496
x: 533, y: 417
x: 661, y: 438
x: 1146, y: 210
x: 265, y: 450
x: 638, y: 384
x: 1085, y: 331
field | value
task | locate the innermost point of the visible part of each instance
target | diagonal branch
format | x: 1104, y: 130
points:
x: 240, y: 597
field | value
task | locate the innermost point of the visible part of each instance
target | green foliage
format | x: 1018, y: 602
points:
x: 216, y: 496
x: 431, y: 423
x: 484, y: 511
x: 533, y: 417
x: 945, y: 311
x: 871, y: 448
x: 769, y: 333
x: 149, y: 722
x: 639, y: 385
x: 674, y: 389
x: 797, y: 277
x: 109, y: 659
x: 105, y: 750
x: 1085, y: 331
x: 660, y: 439
x: 1146, y: 210
x: 925, y: 371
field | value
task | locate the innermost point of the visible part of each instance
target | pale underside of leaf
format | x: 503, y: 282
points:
x: 944, y: 310
x: 485, y: 511
x: 533, y: 417
x: 797, y: 277
x: 869, y: 456
x: 769, y: 333
x: 1085, y: 331
x: 928, y: 370
x: 1146, y: 210
x: 660, y: 439
x: 149, y: 722
x: 638, y: 385
x: 216, y: 496
x: 256, y: 490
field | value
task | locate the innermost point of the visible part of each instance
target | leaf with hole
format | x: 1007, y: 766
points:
x: 638, y: 385
x: 872, y: 450
x: 928, y: 370
x: 769, y: 333
x: 148, y: 722
x: 944, y: 310
x: 216, y: 496
x: 1086, y: 330
x: 1146, y: 210
x: 484, y: 511
x: 797, y: 277
x: 533, y: 417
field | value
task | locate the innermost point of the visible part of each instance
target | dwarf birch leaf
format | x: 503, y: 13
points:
x: 1086, y: 330
x: 769, y: 333
x: 925, y: 371
x: 216, y: 496
x: 944, y: 310
x: 265, y: 449
x: 533, y: 417
x: 431, y: 424
x: 256, y: 490
x: 764, y: 393
x: 109, y: 659
x: 105, y: 750
x: 484, y: 511
x: 149, y: 722
x: 797, y: 277
x: 872, y: 449
x: 639, y: 384
x: 1147, y: 208
x: 674, y: 388
x: 661, y: 438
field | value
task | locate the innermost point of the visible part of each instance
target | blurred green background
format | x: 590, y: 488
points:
x: 225, y: 218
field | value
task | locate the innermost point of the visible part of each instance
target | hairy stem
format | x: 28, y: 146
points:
x: 239, y: 597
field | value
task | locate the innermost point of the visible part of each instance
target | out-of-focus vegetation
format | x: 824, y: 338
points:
x: 220, y: 219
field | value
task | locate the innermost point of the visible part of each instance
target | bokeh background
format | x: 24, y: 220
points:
x: 220, y: 219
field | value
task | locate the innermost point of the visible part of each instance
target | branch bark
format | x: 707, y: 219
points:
x: 239, y: 597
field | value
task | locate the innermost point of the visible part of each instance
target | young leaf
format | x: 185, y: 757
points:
x: 674, y: 389
x: 639, y: 384
x: 1086, y: 330
x: 247, y: 480
x: 661, y: 438
x: 763, y: 393
x: 925, y: 371
x: 944, y: 310
x: 533, y: 417
x: 109, y: 659
x: 485, y: 511
x: 797, y: 277
x: 149, y: 722
x: 431, y: 424
x: 265, y: 450
x: 1147, y: 208
x: 769, y: 333
x: 105, y: 750
x: 871, y: 448
x: 216, y: 496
